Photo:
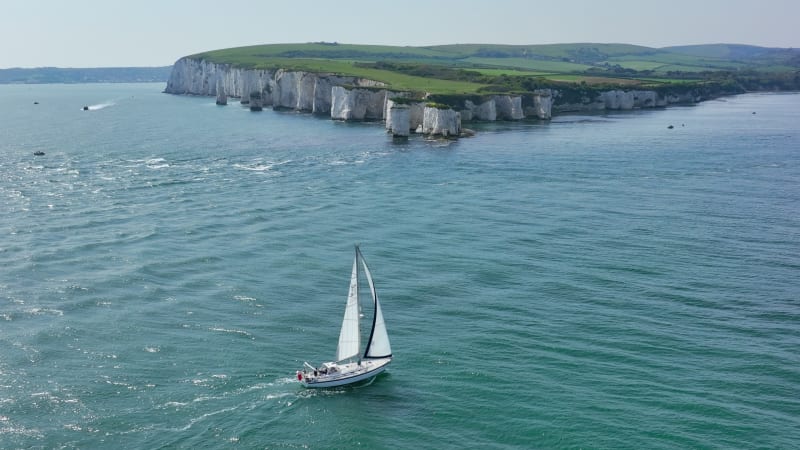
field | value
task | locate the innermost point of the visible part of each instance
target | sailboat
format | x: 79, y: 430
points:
x: 351, y: 364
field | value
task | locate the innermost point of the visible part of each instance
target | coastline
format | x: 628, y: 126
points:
x: 349, y: 98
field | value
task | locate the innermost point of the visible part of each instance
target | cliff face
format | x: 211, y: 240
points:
x: 441, y: 122
x: 404, y: 116
x: 619, y: 100
x: 398, y: 120
x: 510, y: 107
x: 624, y: 100
x: 357, y: 104
x: 541, y: 104
x: 486, y: 111
x: 280, y: 89
x: 352, y: 98
x: 289, y: 90
x: 198, y: 77
x: 344, y: 98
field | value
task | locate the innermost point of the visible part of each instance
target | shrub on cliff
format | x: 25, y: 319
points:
x: 438, y: 105
x: 457, y: 101
x: 405, y: 100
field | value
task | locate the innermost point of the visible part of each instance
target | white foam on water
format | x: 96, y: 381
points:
x: 174, y: 404
x: 156, y: 163
x: 42, y: 311
x: 276, y: 396
x: 100, y: 106
x: 225, y: 330
x: 256, y: 167
x: 202, y: 417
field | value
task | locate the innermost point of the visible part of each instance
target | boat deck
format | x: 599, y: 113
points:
x: 333, y: 374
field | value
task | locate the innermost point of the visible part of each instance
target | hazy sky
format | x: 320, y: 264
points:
x: 93, y: 33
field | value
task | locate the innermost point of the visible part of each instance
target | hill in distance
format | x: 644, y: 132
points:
x: 41, y: 75
x: 475, y: 68
x: 550, y: 58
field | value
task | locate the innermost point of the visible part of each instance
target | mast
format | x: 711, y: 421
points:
x: 358, y: 303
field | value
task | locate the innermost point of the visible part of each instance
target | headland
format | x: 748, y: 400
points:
x: 435, y: 90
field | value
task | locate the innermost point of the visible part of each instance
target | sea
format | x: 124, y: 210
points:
x: 598, y: 281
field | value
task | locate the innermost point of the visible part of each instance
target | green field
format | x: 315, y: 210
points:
x: 486, y: 68
x: 511, y: 72
x: 528, y: 64
x: 624, y: 82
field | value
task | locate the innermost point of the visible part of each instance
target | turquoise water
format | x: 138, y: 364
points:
x: 595, y: 282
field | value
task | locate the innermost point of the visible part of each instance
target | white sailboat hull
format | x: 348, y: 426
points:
x: 345, y: 374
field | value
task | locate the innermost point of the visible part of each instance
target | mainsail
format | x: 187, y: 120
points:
x: 349, y: 340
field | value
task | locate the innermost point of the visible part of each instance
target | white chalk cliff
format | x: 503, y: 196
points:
x: 354, y: 98
x: 616, y: 99
x: 357, y: 104
x: 441, y: 122
x: 280, y: 89
x: 404, y: 116
x: 398, y: 120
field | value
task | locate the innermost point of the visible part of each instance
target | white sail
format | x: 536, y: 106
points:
x: 349, y: 341
x: 378, y: 346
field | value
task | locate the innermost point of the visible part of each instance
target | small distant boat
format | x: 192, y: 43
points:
x: 38, y: 153
x: 85, y: 108
x: 351, y: 365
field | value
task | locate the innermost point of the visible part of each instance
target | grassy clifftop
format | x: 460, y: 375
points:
x: 486, y: 68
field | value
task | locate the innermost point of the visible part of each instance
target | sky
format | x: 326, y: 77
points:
x: 124, y: 33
